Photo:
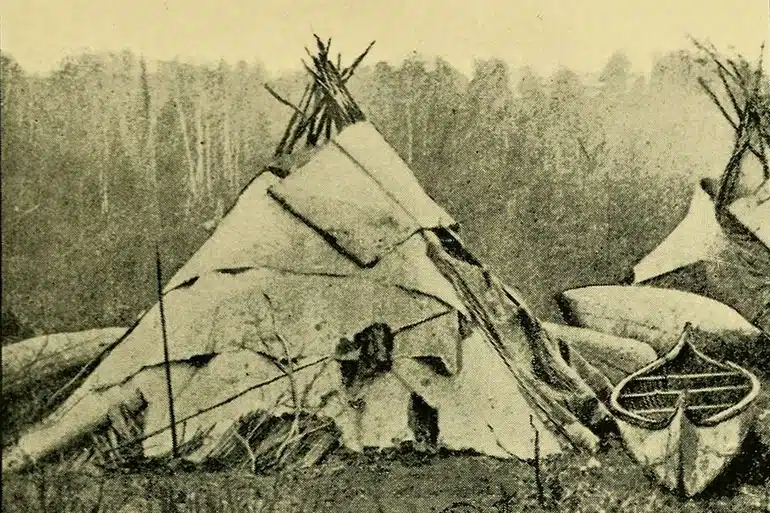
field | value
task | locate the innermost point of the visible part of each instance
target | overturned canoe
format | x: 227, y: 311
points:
x: 615, y: 357
x: 685, y: 416
x: 36, y: 362
x: 656, y: 315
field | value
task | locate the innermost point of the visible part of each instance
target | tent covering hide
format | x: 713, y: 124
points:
x: 339, y: 291
x: 726, y: 259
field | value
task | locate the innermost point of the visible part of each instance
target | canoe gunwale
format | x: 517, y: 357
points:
x: 624, y: 414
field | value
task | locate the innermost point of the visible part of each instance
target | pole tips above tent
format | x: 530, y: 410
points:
x: 326, y: 106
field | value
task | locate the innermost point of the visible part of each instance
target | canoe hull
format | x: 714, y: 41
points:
x: 685, y: 416
x: 656, y: 316
x: 615, y: 357
x: 683, y: 457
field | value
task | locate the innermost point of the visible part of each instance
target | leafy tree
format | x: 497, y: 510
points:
x: 616, y: 73
x: 504, y: 157
x: 678, y: 70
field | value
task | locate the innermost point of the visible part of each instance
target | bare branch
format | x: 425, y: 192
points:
x: 280, y: 99
x: 716, y: 101
x: 730, y: 94
x: 346, y: 74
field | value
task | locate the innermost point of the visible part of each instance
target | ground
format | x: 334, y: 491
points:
x: 394, y: 484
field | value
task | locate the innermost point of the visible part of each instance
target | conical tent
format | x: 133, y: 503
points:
x: 339, y: 291
x: 698, y: 237
x: 721, y: 249
x: 727, y: 260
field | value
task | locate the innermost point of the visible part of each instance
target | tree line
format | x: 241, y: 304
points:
x: 558, y: 180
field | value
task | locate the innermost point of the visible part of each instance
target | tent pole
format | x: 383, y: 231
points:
x: 166, y: 361
x: 150, y: 161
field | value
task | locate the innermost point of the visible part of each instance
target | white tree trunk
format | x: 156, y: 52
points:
x: 192, y: 184
x: 207, y: 146
x: 199, y: 142
x: 409, y: 135
x: 227, y: 152
x: 103, y: 167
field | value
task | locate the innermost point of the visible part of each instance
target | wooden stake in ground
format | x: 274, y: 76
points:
x: 153, y: 172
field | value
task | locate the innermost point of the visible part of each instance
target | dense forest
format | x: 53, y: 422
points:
x: 558, y: 181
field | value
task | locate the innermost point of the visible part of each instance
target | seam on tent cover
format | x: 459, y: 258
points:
x: 378, y: 184
x: 194, y: 360
x: 332, y: 241
x: 242, y: 269
x: 245, y: 391
x: 235, y: 271
x: 230, y: 349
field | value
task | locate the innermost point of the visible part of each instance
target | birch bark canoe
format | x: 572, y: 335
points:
x: 657, y: 316
x: 685, y: 416
x: 41, y: 358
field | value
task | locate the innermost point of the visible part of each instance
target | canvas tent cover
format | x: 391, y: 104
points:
x: 259, y: 319
x: 726, y: 259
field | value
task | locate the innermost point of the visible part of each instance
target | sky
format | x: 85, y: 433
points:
x: 544, y: 34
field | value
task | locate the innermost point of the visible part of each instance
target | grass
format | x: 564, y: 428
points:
x: 394, y: 482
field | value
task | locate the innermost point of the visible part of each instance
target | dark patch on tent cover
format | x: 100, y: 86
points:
x: 434, y: 363
x: 200, y: 360
x: 423, y: 421
x: 233, y: 271
x: 454, y: 247
x: 187, y: 283
x: 368, y: 355
x: 464, y: 326
x: 565, y: 309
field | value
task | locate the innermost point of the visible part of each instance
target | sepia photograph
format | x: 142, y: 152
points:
x: 391, y: 257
